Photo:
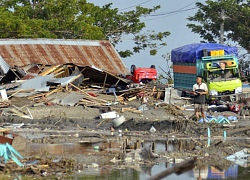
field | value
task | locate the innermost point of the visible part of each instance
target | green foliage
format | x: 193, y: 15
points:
x: 77, y: 19
x: 207, y: 21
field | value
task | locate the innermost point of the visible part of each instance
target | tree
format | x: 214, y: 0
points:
x: 207, y: 21
x: 167, y: 74
x: 77, y: 19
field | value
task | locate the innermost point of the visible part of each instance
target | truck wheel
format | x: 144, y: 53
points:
x: 132, y: 69
x: 152, y: 66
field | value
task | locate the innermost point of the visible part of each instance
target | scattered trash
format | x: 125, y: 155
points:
x: 57, y: 160
x: 112, y: 130
x: 109, y: 115
x: 201, y: 120
x: 14, y: 126
x: 220, y: 119
x: 4, y: 94
x: 95, y: 165
x: 118, y: 121
x: 241, y: 158
x: 7, y: 152
x: 234, y: 107
x: 96, y: 147
x: 232, y: 118
x: 224, y: 135
x: 143, y: 107
x: 31, y: 163
x: 120, y: 132
x: 152, y: 129
x: 209, y: 136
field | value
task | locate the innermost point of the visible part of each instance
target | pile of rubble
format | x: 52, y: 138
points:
x: 49, y: 72
x: 68, y: 85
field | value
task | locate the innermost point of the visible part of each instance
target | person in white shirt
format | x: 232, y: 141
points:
x: 200, y: 90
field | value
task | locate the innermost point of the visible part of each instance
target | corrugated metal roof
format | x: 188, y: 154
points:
x: 67, y: 99
x: 62, y: 81
x: 101, y: 54
x: 38, y: 83
x: 5, y: 67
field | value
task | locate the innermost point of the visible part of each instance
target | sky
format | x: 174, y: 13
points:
x: 174, y: 23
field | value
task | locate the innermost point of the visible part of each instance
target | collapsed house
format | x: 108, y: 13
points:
x: 22, y: 57
x: 32, y: 66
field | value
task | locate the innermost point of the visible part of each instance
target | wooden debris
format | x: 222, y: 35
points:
x: 104, y: 120
x: 17, y: 111
x: 132, y: 98
x: 120, y: 98
x: 7, y: 136
x: 153, y: 91
x: 12, y: 92
x: 50, y: 70
x: 178, y: 107
x: 131, y: 110
x: 4, y: 104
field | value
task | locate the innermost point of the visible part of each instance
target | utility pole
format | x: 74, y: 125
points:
x: 222, y: 16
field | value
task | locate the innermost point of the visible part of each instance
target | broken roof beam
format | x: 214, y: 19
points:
x: 88, y: 96
x: 103, y: 77
x: 50, y: 70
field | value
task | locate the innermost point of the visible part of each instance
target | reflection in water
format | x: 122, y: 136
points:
x: 213, y: 172
x: 136, y: 172
x: 217, y: 173
x: 205, y: 172
x: 147, y: 170
x: 201, y: 172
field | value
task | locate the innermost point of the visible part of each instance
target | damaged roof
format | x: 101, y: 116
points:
x: 99, y: 54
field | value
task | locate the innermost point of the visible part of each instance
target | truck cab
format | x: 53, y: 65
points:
x: 221, y: 74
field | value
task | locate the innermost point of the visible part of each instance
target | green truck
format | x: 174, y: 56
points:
x: 216, y: 63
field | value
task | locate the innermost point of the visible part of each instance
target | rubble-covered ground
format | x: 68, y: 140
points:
x: 58, y: 125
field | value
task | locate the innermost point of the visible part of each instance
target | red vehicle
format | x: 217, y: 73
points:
x: 143, y: 75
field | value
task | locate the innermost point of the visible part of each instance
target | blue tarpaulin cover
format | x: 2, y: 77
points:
x: 191, y: 52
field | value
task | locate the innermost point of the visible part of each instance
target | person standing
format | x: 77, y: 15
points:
x: 200, y: 91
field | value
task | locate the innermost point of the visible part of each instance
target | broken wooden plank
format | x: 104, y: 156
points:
x: 50, y: 70
x: 88, y: 96
x: 58, y: 70
x: 58, y: 89
x: 19, y: 109
x: 57, y: 75
x: 131, y: 110
x: 4, y: 130
x: 178, y: 107
x: 4, y: 140
x: 104, y: 120
x: 4, y: 104
x: 132, y: 98
x: 153, y: 91
x: 120, y: 98
x: 15, y: 93
x: 20, y: 114
x: 19, y: 91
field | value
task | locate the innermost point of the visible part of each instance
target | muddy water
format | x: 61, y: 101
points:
x: 136, y: 171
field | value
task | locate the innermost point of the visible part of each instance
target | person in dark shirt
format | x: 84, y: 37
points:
x: 200, y: 90
x: 225, y: 73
